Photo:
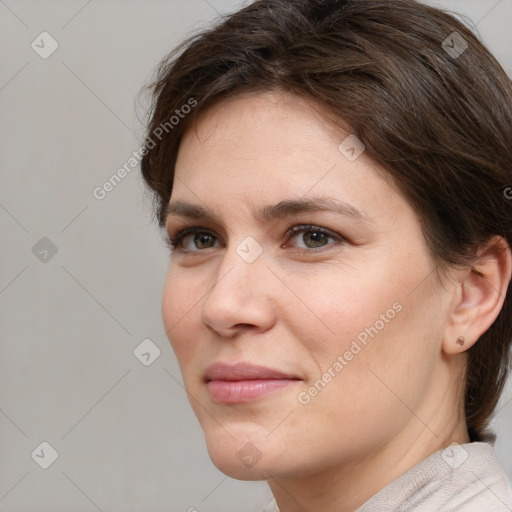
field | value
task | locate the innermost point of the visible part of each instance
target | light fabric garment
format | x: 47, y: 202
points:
x: 462, y: 477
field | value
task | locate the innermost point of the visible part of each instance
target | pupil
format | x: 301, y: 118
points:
x: 202, y: 239
x: 316, y: 238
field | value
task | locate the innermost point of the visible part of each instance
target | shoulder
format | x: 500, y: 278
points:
x: 463, y: 477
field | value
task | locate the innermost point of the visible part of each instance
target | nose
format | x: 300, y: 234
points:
x: 239, y: 297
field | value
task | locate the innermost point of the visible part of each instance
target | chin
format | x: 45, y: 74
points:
x: 240, y: 472
x: 243, y: 453
x: 244, y: 462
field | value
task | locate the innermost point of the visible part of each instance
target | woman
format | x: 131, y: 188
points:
x: 333, y: 178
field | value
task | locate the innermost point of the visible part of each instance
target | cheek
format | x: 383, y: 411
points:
x: 384, y: 332
x: 179, y: 305
x: 335, y: 305
x: 372, y: 321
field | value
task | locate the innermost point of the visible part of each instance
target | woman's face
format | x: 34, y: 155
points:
x: 345, y: 310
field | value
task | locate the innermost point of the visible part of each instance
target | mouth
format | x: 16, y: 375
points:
x: 243, y: 382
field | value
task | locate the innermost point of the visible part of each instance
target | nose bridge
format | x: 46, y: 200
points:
x: 240, y: 264
x: 238, y: 295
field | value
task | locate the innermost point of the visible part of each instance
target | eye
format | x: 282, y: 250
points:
x: 312, y: 237
x: 191, y: 239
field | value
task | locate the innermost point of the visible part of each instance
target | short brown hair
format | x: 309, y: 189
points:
x: 439, y: 123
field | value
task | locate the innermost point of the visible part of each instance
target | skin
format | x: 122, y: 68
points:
x: 399, y: 399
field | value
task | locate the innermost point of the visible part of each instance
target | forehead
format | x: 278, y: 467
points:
x: 263, y: 149
x: 271, y: 136
x: 283, y: 116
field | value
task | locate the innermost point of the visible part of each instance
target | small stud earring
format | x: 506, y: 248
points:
x: 460, y: 341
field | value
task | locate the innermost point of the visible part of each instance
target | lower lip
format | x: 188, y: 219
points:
x: 240, y: 391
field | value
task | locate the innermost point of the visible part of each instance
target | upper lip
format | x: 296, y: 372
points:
x: 243, y: 371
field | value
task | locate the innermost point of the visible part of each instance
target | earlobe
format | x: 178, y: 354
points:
x: 480, y: 297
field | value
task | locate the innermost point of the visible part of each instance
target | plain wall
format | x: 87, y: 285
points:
x: 125, y: 434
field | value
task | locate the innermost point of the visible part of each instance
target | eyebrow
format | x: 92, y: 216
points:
x: 281, y: 210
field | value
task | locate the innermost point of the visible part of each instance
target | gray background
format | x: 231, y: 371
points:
x: 124, y: 432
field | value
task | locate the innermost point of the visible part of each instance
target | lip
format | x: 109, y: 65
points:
x: 243, y: 371
x: 244, y: 382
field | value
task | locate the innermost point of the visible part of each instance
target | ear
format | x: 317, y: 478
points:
x: 479, y: 295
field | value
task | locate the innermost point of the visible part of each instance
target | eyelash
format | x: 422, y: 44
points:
x: 174, y: 239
